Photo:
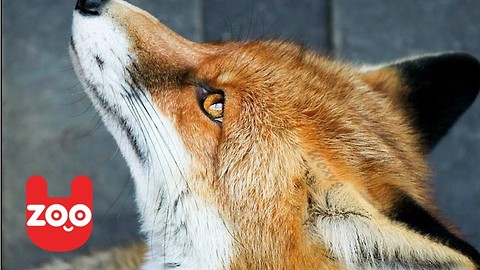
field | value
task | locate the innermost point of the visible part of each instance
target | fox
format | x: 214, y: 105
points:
x: 264, y: 154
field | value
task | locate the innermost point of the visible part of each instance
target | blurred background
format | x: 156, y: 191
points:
x: 50, y: 128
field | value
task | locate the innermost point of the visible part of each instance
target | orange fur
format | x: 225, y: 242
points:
x: 316, y: 105
x: 295, y: 123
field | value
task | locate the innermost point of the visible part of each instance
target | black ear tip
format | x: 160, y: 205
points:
x: 464, y: 58
x: 466, y: 66
x: 442, y: 87
x: 452, y: 74
x: 453, y: 67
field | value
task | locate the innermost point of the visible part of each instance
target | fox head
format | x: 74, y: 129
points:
x: 266, y: 155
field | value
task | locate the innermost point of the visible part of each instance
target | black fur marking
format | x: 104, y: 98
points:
x: 179, y: 200
x: 99, y: 61
x: 416, y: 218
x: 441, y: 88
x: 72, y: 45
x: 171, y: 265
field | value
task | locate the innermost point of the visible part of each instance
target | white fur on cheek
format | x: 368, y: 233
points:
x: 183, y: 231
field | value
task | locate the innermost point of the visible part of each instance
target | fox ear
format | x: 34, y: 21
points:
x: 362, y: 237
x: 435, y: 90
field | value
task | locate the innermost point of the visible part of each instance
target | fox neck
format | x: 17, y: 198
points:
x: 183, y: 232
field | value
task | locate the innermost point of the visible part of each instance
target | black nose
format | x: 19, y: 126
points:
x: 89, y: 7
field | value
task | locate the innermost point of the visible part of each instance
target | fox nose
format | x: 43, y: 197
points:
x: 89, y: 7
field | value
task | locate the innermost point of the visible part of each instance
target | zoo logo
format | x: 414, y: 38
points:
x: 59, y: 224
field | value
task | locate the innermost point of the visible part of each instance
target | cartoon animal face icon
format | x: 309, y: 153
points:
x: 59, y: 224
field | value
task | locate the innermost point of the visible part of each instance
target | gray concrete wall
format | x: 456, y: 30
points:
x: 49, y: 127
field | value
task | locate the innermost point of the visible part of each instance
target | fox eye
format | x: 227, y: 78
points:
x: 211, y: 101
